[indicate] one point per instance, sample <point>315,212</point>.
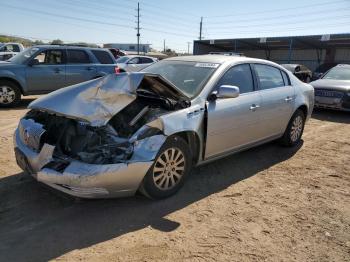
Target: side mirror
<point>34,62</point>
<point>225,91</point>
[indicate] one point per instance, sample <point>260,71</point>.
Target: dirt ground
<point>265,204</point>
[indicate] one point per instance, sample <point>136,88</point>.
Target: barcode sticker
<point>207,65</point>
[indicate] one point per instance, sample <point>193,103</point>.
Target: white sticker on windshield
<point>207,65</point>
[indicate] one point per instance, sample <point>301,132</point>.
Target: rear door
<point>80,67</point>
<point>234,122</point>
<point>48,74</point>
<point>278,97</point>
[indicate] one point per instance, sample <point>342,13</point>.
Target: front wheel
<point>10,94</point>
<point>169,170</point>
<point>295,129</point>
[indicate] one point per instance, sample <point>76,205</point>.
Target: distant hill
<point>27,42</point>
<point>24,41</point>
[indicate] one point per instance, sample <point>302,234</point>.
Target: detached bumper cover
<point>91,180</point>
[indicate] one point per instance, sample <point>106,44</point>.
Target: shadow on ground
<point>22,104</point>
<point>331,116</point>
<point>38,224</point>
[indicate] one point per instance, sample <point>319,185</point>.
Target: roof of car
<point>131,56</point>
<point>70,47</point>
<point>212,58</point>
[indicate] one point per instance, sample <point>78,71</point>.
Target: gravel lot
<point>268,203</point>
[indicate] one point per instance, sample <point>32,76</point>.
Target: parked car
<point>321,70</point>
<point>8,50</point>
<point>300,71</point>
<point>145,131</point>
<point>333,89</point>
<point>135,63</point>
<point>43,69</point>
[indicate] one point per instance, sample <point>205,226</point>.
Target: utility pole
<point>200,28</point>
<point>164,46</point>
<point>138,28</point>
<point>188,47</point>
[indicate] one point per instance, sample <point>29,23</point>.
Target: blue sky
<point>106,21</point>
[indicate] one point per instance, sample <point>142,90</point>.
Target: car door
<point>233,122</point>
<point>133,65</point>
<point>79,67</point>
<point>277,96</point>
<point>46,71</point>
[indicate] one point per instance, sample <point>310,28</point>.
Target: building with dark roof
<point>308,50</point>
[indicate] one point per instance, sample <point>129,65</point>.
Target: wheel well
<point>304,109</point>
<point>192,139</point>
<point>13,81</point>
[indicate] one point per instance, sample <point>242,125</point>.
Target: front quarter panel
<point>17,74</point>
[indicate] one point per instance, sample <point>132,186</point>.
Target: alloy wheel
<point>169,168</point>
<point>7,95</point>
<point>296,128</point>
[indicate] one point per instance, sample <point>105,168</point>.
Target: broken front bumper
<point>90,180</point>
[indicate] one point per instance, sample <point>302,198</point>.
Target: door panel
<point>77,73</point>
<point>79,67</point>
<point>48,74</point>
<point>232,123</point>
<point>277,99</point>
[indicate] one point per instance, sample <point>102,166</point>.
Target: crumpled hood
<point>339,85</point>
<point>97,101</point>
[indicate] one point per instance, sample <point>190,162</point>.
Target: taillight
<point>117,70</point>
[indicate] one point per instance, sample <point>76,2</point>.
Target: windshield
<point>338,73</point>
<point>21,57</point>
<point>122,59</point>
<point>189,77</point>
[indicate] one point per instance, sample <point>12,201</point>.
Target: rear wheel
<point>295,129</point>
<point>10,94</point>
<point>169,170</point>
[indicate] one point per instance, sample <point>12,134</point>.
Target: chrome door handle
<point>288,99</point>
<point>254,107</point>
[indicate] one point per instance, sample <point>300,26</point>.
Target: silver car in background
<point>144,131</point>
<point>134,63</point>
<point>332,91</point>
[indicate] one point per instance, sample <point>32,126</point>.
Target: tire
<point>162,181</point>
<point>10,94</point>
<point>295,129</point>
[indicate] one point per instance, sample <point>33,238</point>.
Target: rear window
<point>103,56</point>
<point>77,57</point>
<point>146,60</point>
<point>268,76</point>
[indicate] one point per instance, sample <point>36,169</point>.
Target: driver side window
<point>50,57</point>
<point>240,76</point>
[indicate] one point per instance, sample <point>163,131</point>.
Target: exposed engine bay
<point>107,144</point>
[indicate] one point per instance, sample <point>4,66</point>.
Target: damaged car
<point>129,132</point>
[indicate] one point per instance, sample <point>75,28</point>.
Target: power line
<point>279,24</point>
<point>278,17</point>
<point>90,20</point>
<point>289,29</point>
<point>279,9</point>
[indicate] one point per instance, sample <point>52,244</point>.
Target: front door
<point>234,122</point>
<point>48,73</point>
<point>277,96</point>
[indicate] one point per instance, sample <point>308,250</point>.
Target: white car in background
<point>8,50</point>
<point>135,63</point>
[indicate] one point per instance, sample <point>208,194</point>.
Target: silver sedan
<point>332,90</point>
<point>113,136</point>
